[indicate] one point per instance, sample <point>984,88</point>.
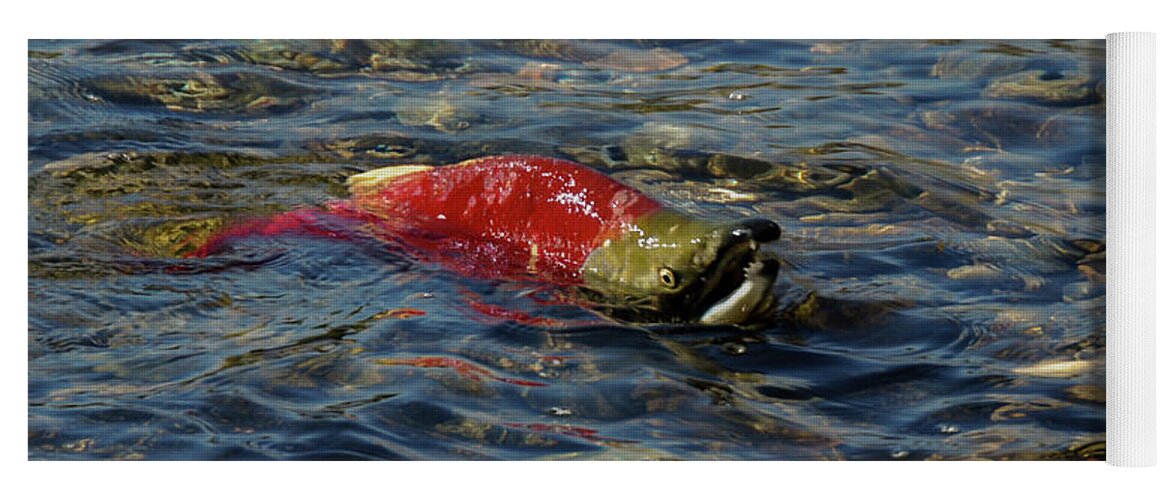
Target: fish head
<point>671,267</point>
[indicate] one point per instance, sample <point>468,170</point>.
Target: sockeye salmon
<point>559,222</point>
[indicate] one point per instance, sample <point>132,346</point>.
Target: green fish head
<point>669,267</point>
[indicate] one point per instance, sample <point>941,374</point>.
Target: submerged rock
<point>1095,394</point>
<point>599,55</point>
<point>737,167</point>
<point>639,61</point>
<point>437,112</point>
<point>1056,368</point>
<point>669,146</point>
<point>684,149</point>
<point>665,135</point>
<point>1082,291</point>
<point>404,60</point>
<point>980,272</point>
<point>965,65</point>
<point>1045,87</point>
<point>1003,125</point>
<point>231,93</point>
<point>1008,229</point>
<point>316,56</point>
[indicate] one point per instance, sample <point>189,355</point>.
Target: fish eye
<point>667,277</point>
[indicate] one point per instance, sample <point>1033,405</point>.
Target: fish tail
<point>300,222</point>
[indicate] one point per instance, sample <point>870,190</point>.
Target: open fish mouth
<point>738,288</point>
<point>745,297</point>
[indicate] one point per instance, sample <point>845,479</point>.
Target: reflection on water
<point>942,204</point>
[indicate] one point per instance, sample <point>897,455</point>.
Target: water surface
<point>942,201</point>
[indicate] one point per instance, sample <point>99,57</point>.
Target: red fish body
<point>548,219</point>
<point>550,213</point>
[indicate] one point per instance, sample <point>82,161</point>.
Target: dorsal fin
<point>375,179</point>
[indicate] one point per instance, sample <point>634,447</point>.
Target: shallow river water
<point>942,204</point>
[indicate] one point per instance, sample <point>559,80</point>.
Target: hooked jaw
<point>739,289</point>
<point>751,298</point>
<point>758,230</point>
